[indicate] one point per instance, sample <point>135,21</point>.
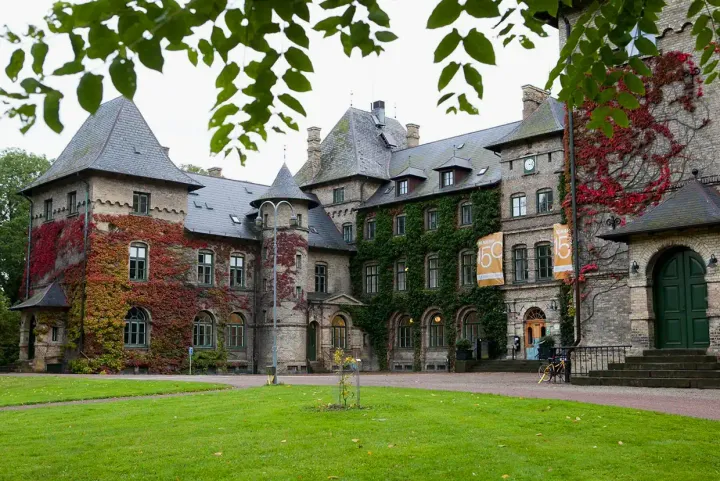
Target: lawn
<point>277,433</point>
<point>16,390</point>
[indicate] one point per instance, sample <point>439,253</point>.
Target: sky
<point>178,102</point>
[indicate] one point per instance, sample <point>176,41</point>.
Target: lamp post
<point>259,223</point>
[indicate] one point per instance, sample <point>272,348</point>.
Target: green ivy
<point>447,241</point>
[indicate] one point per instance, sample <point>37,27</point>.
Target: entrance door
<point>312,342</point>
<point>31,339</point>
<point>681,301</point>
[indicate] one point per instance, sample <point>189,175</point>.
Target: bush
<point>463,345</point>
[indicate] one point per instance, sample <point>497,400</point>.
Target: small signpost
<point>190,353</point>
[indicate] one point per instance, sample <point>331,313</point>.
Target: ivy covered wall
<point>447,241</point>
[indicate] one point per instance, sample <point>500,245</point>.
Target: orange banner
<point>490,260</point>
<point>562,265</point>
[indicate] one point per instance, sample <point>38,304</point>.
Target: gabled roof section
<point>284,188</point>
<point>455,163</point>
<point>410,172</point>
<point>355,146</point>
<point>116,139</point>
<point>549,118</point>
<point>426,157</point>
<point>694,205</point>
<point>49,297</point>
<point>333,299</point>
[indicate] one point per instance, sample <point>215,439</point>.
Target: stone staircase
<point>678,368</point>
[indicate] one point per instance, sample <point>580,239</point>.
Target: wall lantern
<point>553,305</point>
<point>713,261</point>
<point>635,267</point>
<point>258,221</point>
<point>437,319</point>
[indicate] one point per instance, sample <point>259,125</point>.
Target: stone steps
<point>628,373</point>
<point>697,383</point>
<point>670,358</point>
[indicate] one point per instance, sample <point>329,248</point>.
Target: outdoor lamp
<point>437,319</point>
<point>258,221</point>
<point>553,305</point>
<point>635,267</point>
<point>713,261</point>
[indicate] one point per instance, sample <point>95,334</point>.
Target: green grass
<point>275,433</point>
<point>16,390</point>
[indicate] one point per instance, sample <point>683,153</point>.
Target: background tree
<point>193,169</point>
<point>121,34</point>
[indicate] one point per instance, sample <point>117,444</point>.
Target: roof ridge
<point>459,135</point>
<point>226,178</point>
<point>352,136</point>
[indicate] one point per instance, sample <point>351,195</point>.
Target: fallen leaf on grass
<point>391,445</point>
<point>369,453</point>
<point>501,445</point>
<point>505,476</point>
<point>333,477</point>
<point>284,441</point>
<point>218,454</point>
<point>620,442</point>
<point>355,440</point>
<point>538,434</point>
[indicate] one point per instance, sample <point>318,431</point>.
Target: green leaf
<point>221,114</point>
<point>39,52</point>
<point>445,97</point>
<point>227,75</point>
<point>150,54</point>
<point>479,47</point>
<point>645,46</point>
<point>620,117</point>
<point>278,130</point>
<point>703,38</point>
<point>296,81</point>
<point>711,78</point>
<point>17,60</point>
<point>707,53</point>
<point>447,45</point>
<point>378,16</point>
<point>298,59</point>
<point>628,101</point>
<point>640,67</point>
<point>466,106</point>
<point>124,78</point>
<point>447,74</point>
<point>598,71</point>
<point>634,83</point>
<point>452,109</point>
<point>192,56</point>
<point>445,13</point>
<point>710,67</point>
<point>648,26</point>
<point>207,51</point>
<point>291,102</point>
<point>526,42</point>
<point>700,23</point>
<point>69,69</point>
<point>102,41</point>
<point>482,8</point>
<point>288,121</point>
<point>225,94</point>
<point>385,36</point>
<point>221,138</point>
<point>474,79</point>
<point>51,111</point>
<point>90,92</point>
<point>296,34</point>
<point>695,8</point>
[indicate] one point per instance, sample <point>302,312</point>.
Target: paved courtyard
<point>687,402</point>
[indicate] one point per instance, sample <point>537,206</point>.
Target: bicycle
<point>553,370</point>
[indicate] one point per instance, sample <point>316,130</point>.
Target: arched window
<point>433,271</point>
<point>405,337</point>
<point>136,321</point>
<point>138,261</point>
<point>544,201</point>
<point>436,331</point>
<point>206,262</point>
<point>339,333</point>
<point>235,338</point>
<point>534,325</point>
<point>203,330</point>
<point>471,328</point>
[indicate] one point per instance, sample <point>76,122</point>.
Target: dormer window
<point>235,219</point>
<point>402,187</point>
<point>447,178</point>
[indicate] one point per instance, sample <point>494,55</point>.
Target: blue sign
<point>190,350</point>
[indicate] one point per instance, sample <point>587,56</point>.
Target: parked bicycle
<point>553,369</point>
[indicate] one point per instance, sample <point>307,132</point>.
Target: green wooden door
<point>312,342</point>
<point>681,302</point>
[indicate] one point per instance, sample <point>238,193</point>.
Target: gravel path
<point>687,402</point>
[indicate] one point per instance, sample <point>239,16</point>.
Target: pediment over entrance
<point>334,299</point>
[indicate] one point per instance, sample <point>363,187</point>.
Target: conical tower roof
<point>284,188</point>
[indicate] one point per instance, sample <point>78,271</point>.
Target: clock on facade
<point>529,165</point>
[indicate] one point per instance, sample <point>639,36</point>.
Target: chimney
<point>314,150</point>
<point>532,98</point>
<point>413,135</point>
<point>166,150</point>
<point>215,171</point>
<point>378,111</point>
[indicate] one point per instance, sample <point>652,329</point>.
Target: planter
<point>463,354</point>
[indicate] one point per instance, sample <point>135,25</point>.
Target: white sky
<point>177,103</point>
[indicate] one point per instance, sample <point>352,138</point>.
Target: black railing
<point>583,359</point>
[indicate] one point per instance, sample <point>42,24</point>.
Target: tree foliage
<point>124,35</point>
<point>193,169</point>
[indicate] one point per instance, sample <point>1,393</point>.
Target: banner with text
<point>562,265</point>
<point>490,260</point>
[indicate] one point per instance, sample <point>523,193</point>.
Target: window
<point>235,219</point>
<point>265,220</point>
<point>466,214</point>
<point>348,232</point>
<point>370,234</point>
<point>472,329</point>
<point>467,268</point>
<point>298,292</point>
<point>235,337</point>
<point>371,279</point>
<point>447,178</point>
<point>437,331</point>
<point>400,225</point>
<point>402,187</point>
<point>136,328</point>
<point>237,271</point>
<point>338,195</point>
<point>54,333</point>
<point>320,278</point>
<point>141,203</point>
<point>433,272</point>
<point>205,268</point>
<point>72,207</point>
<point>519,205</point>
<point>203,330</point>
<point>299,220</point>
<point>339,333</point>
<point>544,259</point>
<point>544,200</point>
<point>298,261</point>
<point>138,261</point>
<point>400,276</point>
<point>405,338</point>
<point>48,210</point>
<point>432,219</point>
<point>520,263</point>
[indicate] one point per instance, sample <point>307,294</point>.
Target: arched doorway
<point>312,341</point>
<point>31,339</point>
<point>680,294</point>
<point>534,325</point>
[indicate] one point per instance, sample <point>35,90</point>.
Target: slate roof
<point>410,172</point>
<point>284,188</point>
<point>694,205</point>
<point>354,147</point>
<point>455,162</point>
<point>549,118</point>
<point>427,157</point>
<point>116,139</point>
<point>323,232</point>
<point>51,296</point>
